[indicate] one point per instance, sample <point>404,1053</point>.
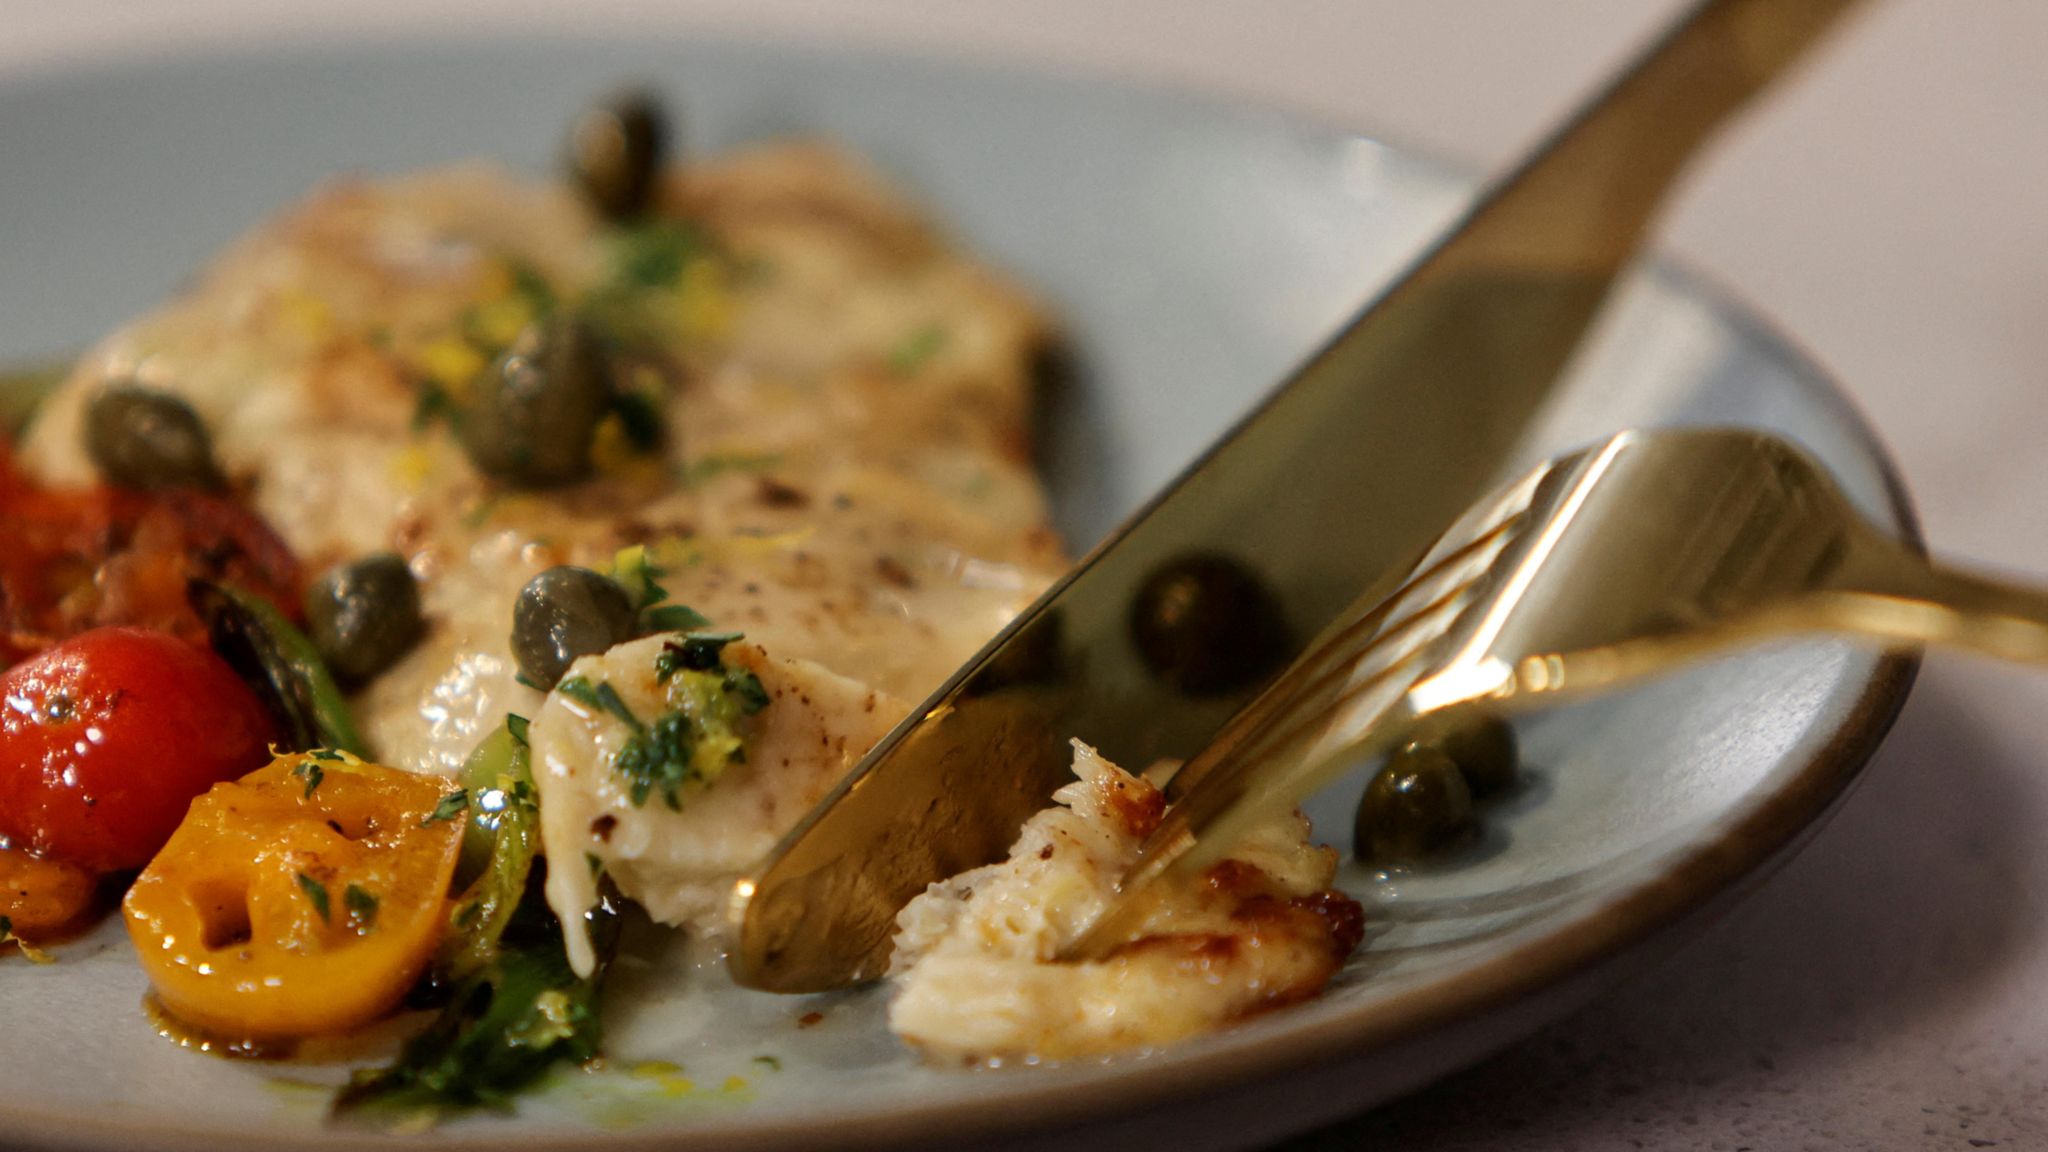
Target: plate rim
<point>1060,1098</point>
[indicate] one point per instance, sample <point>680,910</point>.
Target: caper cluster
<point>532,419</point>
<point>1422,800</point>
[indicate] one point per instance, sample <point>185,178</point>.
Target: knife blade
<point>1331,487</point>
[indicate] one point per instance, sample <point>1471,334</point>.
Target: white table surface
<point>1890,210</point>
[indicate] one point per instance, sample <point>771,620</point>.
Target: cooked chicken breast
<point>973,972</point>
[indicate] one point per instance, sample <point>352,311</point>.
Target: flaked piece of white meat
<point>673,780</point>
<point>973,963</point>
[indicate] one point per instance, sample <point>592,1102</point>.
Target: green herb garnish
<point>529,283</point>
<point>697,652</point>
<point>316,892</point>
<point>516,725</point>
<point>641,578</point>
<point>600,695</point>
<point>504,1027</point>
<point>451,806</point>
<point>673,618</point>
<point>719,463</point>
<point>916,349</point>
<point>362,906</point>
<point>579,689</point>
<point>746,688</point>
<point>653,255</point>
<point>434,403</point>
<point>662,757</point>
<point>310,771</point>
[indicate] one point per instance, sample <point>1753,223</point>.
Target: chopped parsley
<point>600,695</point>
<point>697,737</point>
<point>673,618</point>
<point>916,349</point>
<point>697,652</point>
<point>516,725</point>
<point>719,463</point>
<point>532,286</point>
<point>434,403</point>
<point>746,688</point>
<point>660,757</point>
<point>316,892</point>
<point>641,578</point>
<point>310,771</point>
<point>362,906</point>
<point>654,254</point>
<point>451,806</point>
<point>579,689</point>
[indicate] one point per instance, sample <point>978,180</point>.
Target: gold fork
<point>1602,567</point>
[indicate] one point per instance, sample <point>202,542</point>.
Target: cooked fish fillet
<point>973,956</point>
<point>840,499</point>
<point>679,862</point>
<point>845,475</point>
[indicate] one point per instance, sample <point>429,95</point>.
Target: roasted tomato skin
<point>79,558</point>
<point>107,737</point>
<point>304,899</point>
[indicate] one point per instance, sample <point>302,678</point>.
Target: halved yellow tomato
<point>43,898</point>
<point>303,899</point>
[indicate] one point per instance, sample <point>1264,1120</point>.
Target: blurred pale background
<point>1887,210</point>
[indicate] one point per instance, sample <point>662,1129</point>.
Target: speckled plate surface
<point>1195,249</point>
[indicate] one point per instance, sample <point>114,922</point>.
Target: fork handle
<point>1889,592</point>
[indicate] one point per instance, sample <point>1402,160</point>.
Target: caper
<point>1206,624</point>
<point>1484,750</point>
<point>564,613</point>
<point>364,615</point>
<point>1417,803</point>
<point>616,152</point>
<point>148,440</point>
<point>534,413</point>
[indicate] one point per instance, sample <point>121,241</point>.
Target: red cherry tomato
<point>107,737</point>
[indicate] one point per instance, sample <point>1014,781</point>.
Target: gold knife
<point>1331,488</point>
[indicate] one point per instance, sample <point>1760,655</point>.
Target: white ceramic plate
<point>1195,249</point>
